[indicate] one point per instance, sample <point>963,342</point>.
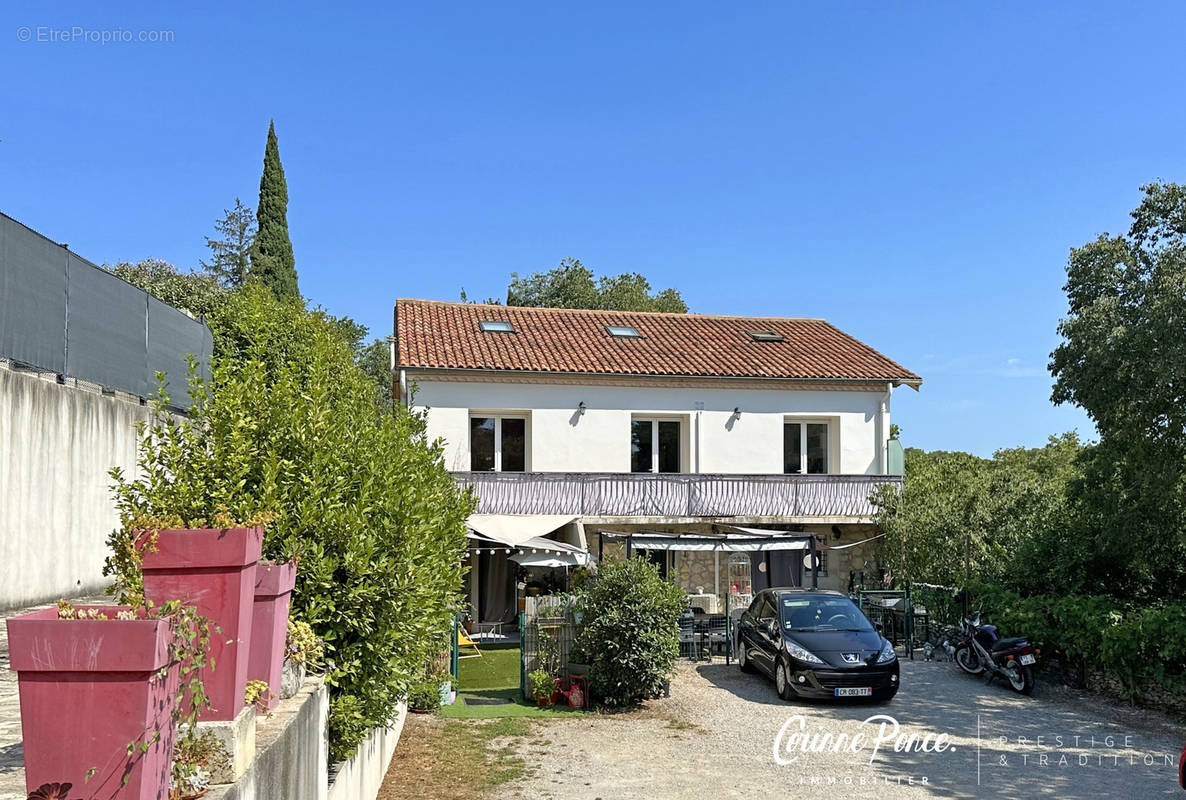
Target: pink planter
<point>269,627</point>
<point>87,689</point>
<point>213,570</point>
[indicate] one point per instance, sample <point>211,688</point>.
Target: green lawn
<point>495,674</point>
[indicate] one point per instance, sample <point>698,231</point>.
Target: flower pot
<point>269,625</point>
<point>88,688</point>
<point>213,570</point>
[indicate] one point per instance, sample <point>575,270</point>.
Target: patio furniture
<point>464,642</point>
<point>688,643</point>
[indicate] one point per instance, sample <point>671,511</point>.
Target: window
<point>496,326</point>
<point>766,336</point>
<point>623,331</point>
<point>498,444</point>
<point>654,445</point>
<point>805,448</point>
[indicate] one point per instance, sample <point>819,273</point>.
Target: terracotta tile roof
<point>433,334</point>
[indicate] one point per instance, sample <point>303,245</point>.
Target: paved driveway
<point>715,737</point>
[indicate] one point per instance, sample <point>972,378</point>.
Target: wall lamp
<point>737,412</point>
<point>581,408</point>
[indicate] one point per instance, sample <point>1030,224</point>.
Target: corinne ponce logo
<point>875,732</point>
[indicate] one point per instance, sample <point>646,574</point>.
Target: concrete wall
<point>715,441</point>
<point>291,751</point>
<point>361,776</point>
<point>57,443</point>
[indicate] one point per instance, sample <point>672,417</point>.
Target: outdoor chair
<point>688,645</point>
<point>463,643</point>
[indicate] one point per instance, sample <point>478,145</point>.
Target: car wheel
<point>782,682</point>
<point>743,657</point>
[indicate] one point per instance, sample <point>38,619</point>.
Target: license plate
<point>1027,658</point>
<point>863,691</point>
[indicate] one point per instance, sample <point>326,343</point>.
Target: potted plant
<point>302,650</point>
<point>425,696</point>
<point>269,625</point>
<point>214,569</point>
<point>543,687</point>
<point>195,760</point>
<point>99,694</point>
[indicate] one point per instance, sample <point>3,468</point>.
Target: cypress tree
<point>272,262</point>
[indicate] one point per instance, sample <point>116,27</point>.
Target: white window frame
<point>803,422</point>
<point>498,418</point>
<point>655,441</point>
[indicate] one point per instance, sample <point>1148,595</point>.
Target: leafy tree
<point>289,427</point>
<point>1123,360</point>
<point>572,285</point>
<point>199,294</point>
<point>630,631</point>
<point>958,516</point>
<point>230,256</point>
<point>375,361</point>
<point>272,261</point>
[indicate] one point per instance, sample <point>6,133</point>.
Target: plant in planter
<point>160,558</point>
<point>269,626</point>
<point>195,759</point>
<point>52,791</point>
<point>425,696</point>
<point>543,686</point>
<point>303,651</point>
<point>123,676</point>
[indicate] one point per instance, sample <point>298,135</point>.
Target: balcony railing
<point>599,494</point>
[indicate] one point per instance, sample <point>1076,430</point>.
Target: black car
<point>815,643</point>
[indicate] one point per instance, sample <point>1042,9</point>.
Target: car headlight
<point>887,653</point>
<point>803,655</point>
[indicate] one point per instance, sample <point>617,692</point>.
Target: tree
<point>288,427</point>
<point>960,517</point>
<point>1123,360</point>
<point>272,261</point>
<point>194,292</point>
<point>230,256</point>
<point>572,285</point>
<point>375,361</point>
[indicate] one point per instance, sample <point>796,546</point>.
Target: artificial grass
<point>495,674</point>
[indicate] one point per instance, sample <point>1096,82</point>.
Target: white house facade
<point>588,427</point>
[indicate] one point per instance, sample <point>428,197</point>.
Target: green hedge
<point>1136,647</point>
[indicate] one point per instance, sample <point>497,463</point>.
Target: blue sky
<point>915,173</point>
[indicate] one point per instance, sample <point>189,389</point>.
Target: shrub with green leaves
<point>290,427</point>
<point>631,631</point>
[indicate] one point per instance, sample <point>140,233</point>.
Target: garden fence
<point>60,313</point>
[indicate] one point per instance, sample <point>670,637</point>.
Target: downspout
<point>883,412</point>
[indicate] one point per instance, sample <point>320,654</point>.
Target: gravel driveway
<point>714,738</point>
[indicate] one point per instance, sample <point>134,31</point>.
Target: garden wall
<point>360,776</point>
<point>57,443</point>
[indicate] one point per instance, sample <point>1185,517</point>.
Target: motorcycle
<point>980,650</point>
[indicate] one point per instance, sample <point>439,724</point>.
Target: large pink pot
<point>213,570</point>
<point>87,689</point>
<point>269,627</point>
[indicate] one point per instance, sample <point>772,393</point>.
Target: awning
<point>514,529</point>
<point>728,543</point>
<point>540,552</point>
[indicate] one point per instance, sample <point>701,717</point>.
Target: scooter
<point>980,650</point>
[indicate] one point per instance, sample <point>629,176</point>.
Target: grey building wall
<point>57,444</point>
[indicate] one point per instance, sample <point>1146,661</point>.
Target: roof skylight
<point>766,336</point>
<point>623,331</point>
<point>496,326</point>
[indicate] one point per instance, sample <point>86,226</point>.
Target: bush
<point>630,632</point>
<point>1137,648</point>
<point>290,428</point>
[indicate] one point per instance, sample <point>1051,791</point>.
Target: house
<point>715,444</point>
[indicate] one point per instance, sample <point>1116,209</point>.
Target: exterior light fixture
<point>737,412</point>
<point>581,408</point>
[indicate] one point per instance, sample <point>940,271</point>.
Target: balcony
<point>677,496</point>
